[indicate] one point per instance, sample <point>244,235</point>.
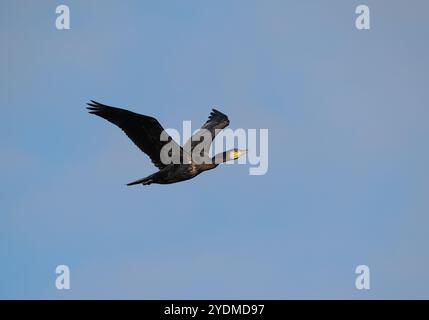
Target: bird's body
<point>174,173</point>
<point>146,132</point>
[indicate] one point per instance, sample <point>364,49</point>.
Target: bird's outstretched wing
<point>143,130</point>
<point>216,122</point>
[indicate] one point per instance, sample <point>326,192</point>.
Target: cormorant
<point>146,132</point>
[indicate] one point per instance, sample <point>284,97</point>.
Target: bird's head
<point>229,155</point>
<point>234,154</point>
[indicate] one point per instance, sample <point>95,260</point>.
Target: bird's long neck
<point>220,158</point>
<point>215,161</point>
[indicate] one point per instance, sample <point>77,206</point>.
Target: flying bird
<point>146,133</point>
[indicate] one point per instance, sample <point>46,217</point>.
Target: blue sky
<point>347,113</point>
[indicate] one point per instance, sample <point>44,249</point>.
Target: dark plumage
<point>146,131</point>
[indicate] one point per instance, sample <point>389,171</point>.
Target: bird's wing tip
<point>92,109</point>
<point>216,112</point>
<point>94,103</point>
<point>94,106</point>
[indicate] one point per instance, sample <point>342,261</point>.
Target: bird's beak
<point>242,152</point>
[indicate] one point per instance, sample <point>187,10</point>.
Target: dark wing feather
<point>143,130</point>
<point>216,122</point>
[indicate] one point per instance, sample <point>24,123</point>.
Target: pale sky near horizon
<point>348,179</point>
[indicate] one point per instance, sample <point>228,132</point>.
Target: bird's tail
<point>144,181</point>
